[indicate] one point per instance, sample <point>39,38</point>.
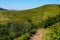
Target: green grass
<point>26,36</point>
<point>52,33</point>
<point>19,22</point>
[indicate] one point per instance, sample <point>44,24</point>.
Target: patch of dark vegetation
<point>59,6</point>
<point>10,30</point>
<point>52,20</point>
<point>2,9</point>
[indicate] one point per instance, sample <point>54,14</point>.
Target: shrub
<point>52,20</point>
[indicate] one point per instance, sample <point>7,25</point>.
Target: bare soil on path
<point>37,35</point>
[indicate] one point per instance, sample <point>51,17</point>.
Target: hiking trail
<point>37,35</point>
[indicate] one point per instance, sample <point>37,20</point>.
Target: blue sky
<point>25,4</point>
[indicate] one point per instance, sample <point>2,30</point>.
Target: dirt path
<point>37,35</point>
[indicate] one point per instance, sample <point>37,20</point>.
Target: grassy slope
<point>52,33</point>
<point>36,15</point>
<point>48,10</point>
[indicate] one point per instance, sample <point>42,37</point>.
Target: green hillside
<point>14,24</point>
<point>52,33</point>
